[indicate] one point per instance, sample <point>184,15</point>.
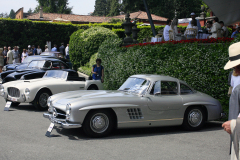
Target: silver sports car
<point>142,101</point>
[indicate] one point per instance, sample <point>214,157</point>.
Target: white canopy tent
<point>227,11</point>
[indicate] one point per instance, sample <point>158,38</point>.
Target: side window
<point>169,88</point>
<point>47,64</point>
<point>165,88</point>
<point>185,89</point>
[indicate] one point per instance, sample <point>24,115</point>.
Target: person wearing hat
<point>30,51</point>
<point>193,16</point>
<point>233,125</point>
<point>1,59</point>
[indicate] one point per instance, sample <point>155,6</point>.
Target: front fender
<point>98,83</point>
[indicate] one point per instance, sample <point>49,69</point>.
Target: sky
<point>82,7</point>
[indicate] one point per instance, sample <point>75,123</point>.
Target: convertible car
<point>142,101</point>
<point>37,91</point>
<point>35,69</point>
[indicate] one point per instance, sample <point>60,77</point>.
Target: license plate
<point>49,131</point>
<point>7,106</point>
<point>13,99</point>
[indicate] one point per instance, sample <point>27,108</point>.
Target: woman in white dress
<point>46,48</point>
<point>191,30</point>
<point>173,29</point>
<point>24,54</point>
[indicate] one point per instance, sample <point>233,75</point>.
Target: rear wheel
<point>194,118</point>
<point>99,123</point>
<point>41,98</point>
<point>92,87</point>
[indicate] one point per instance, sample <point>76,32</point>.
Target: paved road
<point>23,128</point>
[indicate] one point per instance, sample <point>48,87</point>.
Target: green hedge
<point>84,44</point>
<point>25,32</point>
<point>199,65</point>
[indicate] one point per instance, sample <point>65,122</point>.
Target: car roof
<point>155,77</point>
<point>50,52</point>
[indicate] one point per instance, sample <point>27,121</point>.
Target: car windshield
<point>39,64</point>
<point>56,74</point>
<point>135,85</point>
<point>30,58</point>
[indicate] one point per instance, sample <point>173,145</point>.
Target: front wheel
<point>194,118</point>
<point>40,101</point>
<point>98,123</point>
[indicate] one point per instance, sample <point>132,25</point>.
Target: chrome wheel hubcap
<point>43,100</point>
<point>99,123</point>
<point>195,117</point>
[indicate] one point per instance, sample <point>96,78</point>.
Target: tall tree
<point>54,6</point>
<point>30,10</point>
<point>100,8</point>
<point>12,14</point>
<point>115,8</point>
<point>4,15</point>
<point>165,8</point>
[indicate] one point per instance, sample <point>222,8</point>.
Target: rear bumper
<point>62,122</point>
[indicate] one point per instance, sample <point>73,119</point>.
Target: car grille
<point>60,114</point>
<point>135,113</point>
<point>14,92</point>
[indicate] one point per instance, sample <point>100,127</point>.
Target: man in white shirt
<point>209,26</point>
<point>166,30</point>
<point>215,28</point>
<point>193,16</point>
<point>9,56</point>
<point>224,28</point>
<point>67,52</point>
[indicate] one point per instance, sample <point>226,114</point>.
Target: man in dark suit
<point>5,54</point>
<point>62,49</point>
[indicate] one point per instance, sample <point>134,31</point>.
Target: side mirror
<point>157,93</point>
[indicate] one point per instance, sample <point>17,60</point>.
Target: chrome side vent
<point>135,113</point>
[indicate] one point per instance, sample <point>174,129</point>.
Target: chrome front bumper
<point>62,122</point>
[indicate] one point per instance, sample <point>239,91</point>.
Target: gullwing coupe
<point>142,101</point>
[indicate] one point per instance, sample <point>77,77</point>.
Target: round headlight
<point>27,91</point>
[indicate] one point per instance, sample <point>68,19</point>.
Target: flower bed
<point>211,40</point>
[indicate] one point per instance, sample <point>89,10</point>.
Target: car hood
<point>85,98</point>
<point>20,84</point>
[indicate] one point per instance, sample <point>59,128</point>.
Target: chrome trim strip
<point>152,120</point>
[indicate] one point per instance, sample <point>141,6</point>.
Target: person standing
<point>15,55</point>
<point>235,33</point>
<point>39,50</point>
<point>30,51</point>
<point>166,30</point>
<point>1,59</point>
<point>67,52</point>
<point>9,56</point>
<point>224,29</point>
<point>215,28</point>
<point>193,16</point>
<point>98,71</point>
<point>5,54</point>
<point>34,50</point>
<point>46,48</point>
<point>233,125</point>
<point>62,49</point>
<point>24,54</point>
<point>54,49</point>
